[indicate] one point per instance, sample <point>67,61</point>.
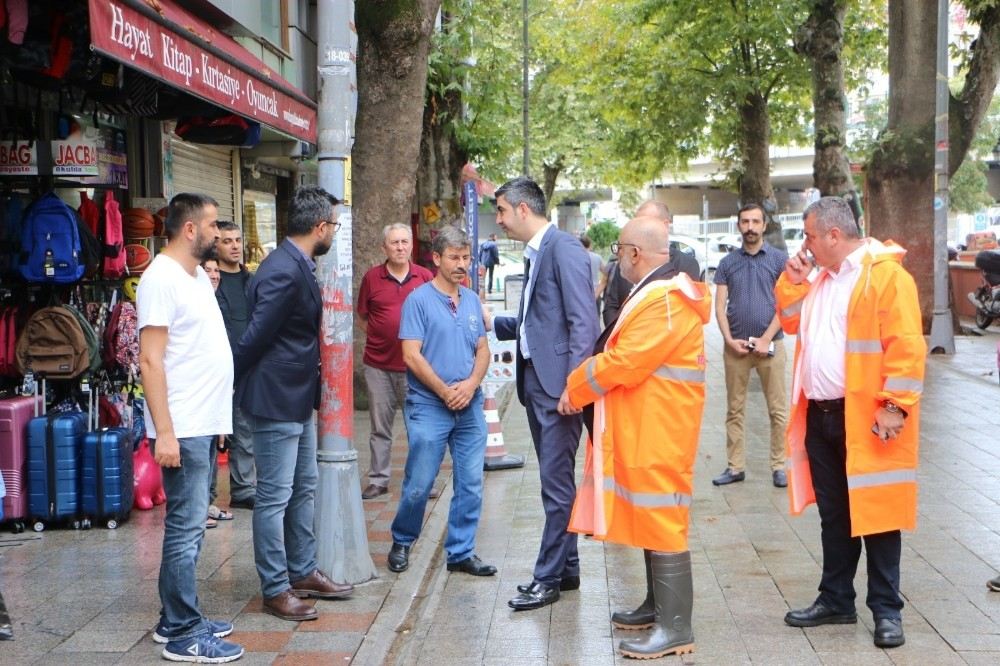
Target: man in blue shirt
<point>489,257</point>
<point>444,349</point>
<point>745,310</point>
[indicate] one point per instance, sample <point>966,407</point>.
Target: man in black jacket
<point>278,386</point>
<point>232,297</point>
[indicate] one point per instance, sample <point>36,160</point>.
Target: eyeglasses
<point>617,246</point>
<point>336,225</point>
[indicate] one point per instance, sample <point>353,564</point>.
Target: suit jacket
<point>560,321</point>
<point>277,358</point>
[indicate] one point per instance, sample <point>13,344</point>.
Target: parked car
<point>794,237</point>
<point>693,247</point>
<point>719,245</point>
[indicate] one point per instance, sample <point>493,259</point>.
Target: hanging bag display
<point>114,239</point>
<point>50,242</point>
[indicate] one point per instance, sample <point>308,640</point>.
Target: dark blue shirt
<point>750,279</point>
<point>449,336</point>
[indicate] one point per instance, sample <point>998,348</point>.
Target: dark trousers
<point>556,439</point>
<point>489,278</point>
<point>827,450</point>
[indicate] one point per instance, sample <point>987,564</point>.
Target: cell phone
<point>876,432</point>
<point>752,344</point>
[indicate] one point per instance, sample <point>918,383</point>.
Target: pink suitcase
<point>14,416</point>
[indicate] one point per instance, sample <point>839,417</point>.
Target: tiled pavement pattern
<point>90,597</point>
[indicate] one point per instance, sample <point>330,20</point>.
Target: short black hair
<point>752,206</point>
<point>523,190</point>
<point>228,226</point>
<point>185,206</point>
<point>309,207</point>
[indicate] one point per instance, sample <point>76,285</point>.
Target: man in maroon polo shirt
<point>380,302</point>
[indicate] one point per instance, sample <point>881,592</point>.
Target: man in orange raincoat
<point>648,390</point>
<point>854,429</point>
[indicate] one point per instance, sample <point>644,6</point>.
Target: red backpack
<point>89,212</point>
<point>114,240</point>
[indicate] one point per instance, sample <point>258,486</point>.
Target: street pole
<point>341,531</point>
<point>942,333</point>
<point>524,86</point>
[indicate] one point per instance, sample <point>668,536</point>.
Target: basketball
<point>138,223</point>
<point>137,258</point>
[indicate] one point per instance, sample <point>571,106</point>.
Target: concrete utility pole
<point>341,531</point>
<point>942,333</point>
<point>524,88</point>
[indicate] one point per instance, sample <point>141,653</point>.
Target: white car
<point>694,247</point>
<point>794,237</point>
<point>719,245</point>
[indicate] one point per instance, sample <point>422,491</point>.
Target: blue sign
<point>472,228</point>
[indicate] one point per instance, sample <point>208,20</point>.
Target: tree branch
<point>966,112</point>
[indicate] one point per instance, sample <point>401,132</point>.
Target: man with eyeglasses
<point>278,386</point>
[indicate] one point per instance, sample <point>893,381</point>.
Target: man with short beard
<point>278,387</point>
<point>744,309</point>
<point>187,376</point>
<point>231,294</point>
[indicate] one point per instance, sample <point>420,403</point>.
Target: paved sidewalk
<point>90,597</point>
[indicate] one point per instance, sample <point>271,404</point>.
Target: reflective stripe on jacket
<point>884,360</point>
<point>648,387</point>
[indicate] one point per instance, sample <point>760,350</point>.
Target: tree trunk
<point>439,179</point>
<point>899,178</point>
<point>966,111</point>
<point>821,38</point>
<point>393,42</point>
<point>755,161</point>
<point>550,173</point>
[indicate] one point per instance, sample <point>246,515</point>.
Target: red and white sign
<point>74,157</point>
<point>180,59</point>
<point>18,158</point>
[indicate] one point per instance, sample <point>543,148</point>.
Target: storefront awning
<point>168,43</point>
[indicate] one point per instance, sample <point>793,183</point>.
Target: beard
<point>204,249</point>
<point>321,248</point>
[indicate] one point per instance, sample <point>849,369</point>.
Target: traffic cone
<point>496,453</point>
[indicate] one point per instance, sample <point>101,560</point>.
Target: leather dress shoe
<point>816,615</point>
<point>473,566</point>
<point>567,584</point>
<point>994,584</point>
<point>287,606</point>
<point>729,476</point>
<point>536,596</point>
<point>318,584</point>
<point>399,557</point>
<point>373,491</point>
<point>889,633</point>
<point>779,478</point>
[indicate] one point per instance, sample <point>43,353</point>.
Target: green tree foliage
<point>603,234</point>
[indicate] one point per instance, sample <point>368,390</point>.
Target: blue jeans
<point>186,488</point>
<point>284,543</point>
<point>430,428</point>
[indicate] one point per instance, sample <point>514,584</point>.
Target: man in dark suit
<point>277,385</point>
<point>555,331</point>
<point>618,288</point>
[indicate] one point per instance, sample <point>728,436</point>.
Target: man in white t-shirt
<point>187,377</point>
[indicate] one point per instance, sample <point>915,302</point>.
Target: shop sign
<point>131,37</point>
<point>74,157</point>
<point>18,158</point>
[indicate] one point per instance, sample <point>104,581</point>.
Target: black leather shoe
<point>536,596</point>
<point>816,615</point>
<point>729,476</point>
<point>567,584</point>
<point>779,478</point>
<point>889,633</point>
<point>399,557</point>
<point>473,566</point>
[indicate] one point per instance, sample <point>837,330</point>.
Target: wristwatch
<point>893,408</point>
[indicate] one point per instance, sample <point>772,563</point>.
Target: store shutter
<point>206,170</point>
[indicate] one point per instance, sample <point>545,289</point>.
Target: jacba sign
<point>129,36</point>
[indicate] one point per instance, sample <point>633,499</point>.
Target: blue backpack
<point>50,242</point>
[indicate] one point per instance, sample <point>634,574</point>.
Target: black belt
<point>836,405</point>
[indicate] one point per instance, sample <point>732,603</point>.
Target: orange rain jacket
<point>648,387</point>
<point>884,360</point>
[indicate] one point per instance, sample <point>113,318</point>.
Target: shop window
<point>260,234</point>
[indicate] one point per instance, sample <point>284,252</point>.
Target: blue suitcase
<point>107,481</point>
<point>54,444</point>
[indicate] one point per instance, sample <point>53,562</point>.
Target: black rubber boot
<point>643,616</point>
<point>674,594</point>
<point>6,631</point>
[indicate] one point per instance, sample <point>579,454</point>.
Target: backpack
<point>121,338</point>
<point>114,240</point>
<point>50,242</point>
<point>89,212</point>
<point>90,335</point>
<point>91,250</point>
<point>53,344</point>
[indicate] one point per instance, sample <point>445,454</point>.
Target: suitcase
<point>54,444</point>
<point>15,413</point>
<point>107,481</point>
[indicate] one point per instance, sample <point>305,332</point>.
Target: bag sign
<point>18,158</point>
<point>77,157</point>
